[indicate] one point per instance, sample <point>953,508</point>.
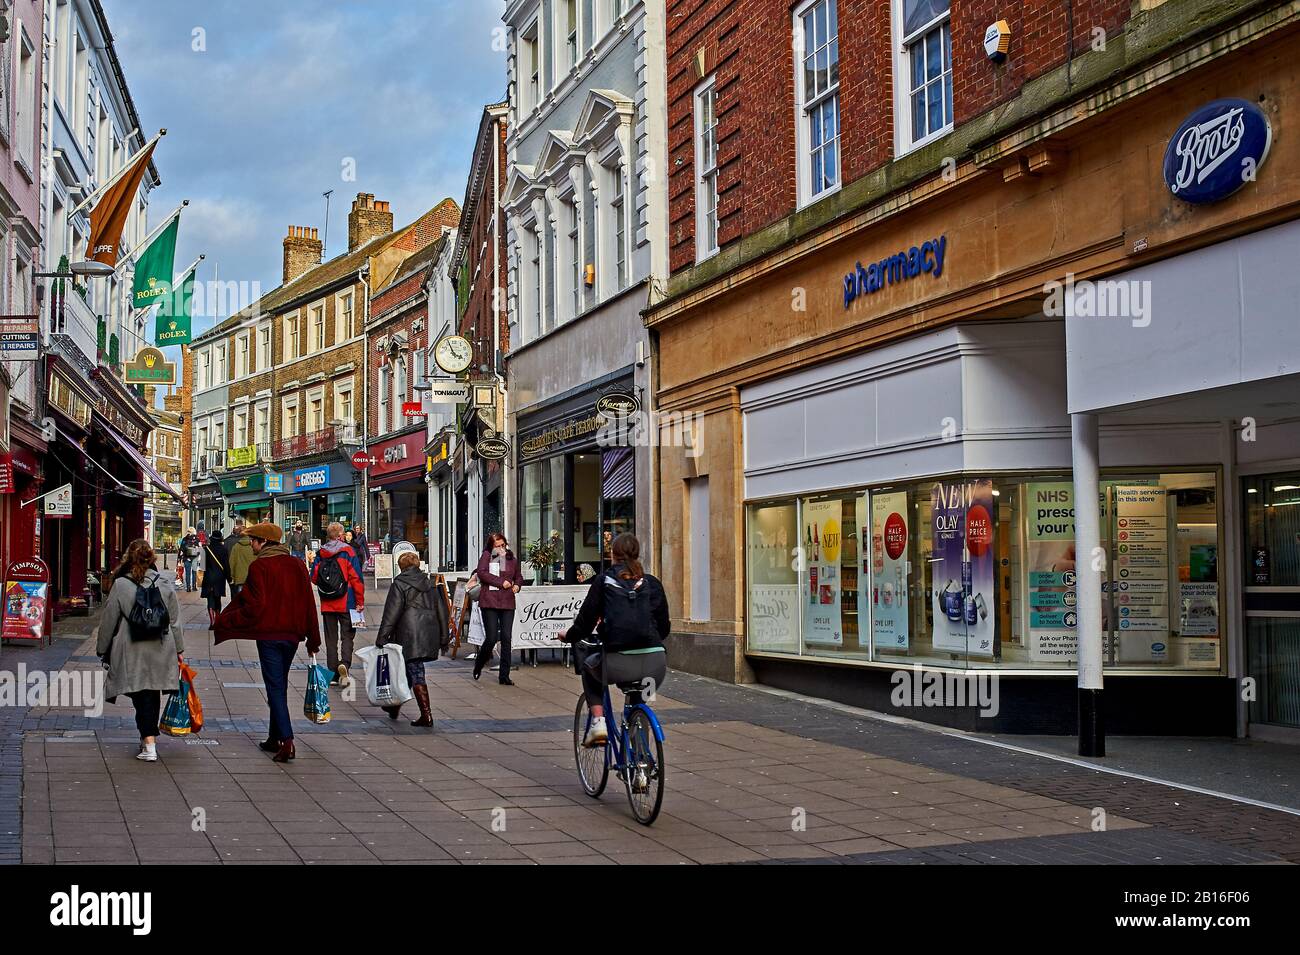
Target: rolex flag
<point>108,218</point>
<point>154,268</point>
<point>174,312</point>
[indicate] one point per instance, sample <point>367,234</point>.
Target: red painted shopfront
<point>399,498</point>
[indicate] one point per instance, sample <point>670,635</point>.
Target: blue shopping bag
<point>316,707</point>
<point>176,717</point>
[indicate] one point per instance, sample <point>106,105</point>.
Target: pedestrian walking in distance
<point>298,541</point>
<point>334,572</point>
<point>215,561</point>
<point>142,660</point>
<point>275,608</point>
<point>190,552</point>
<point>360,544</point>
<point>501,577</point>
<point>415,619</point>
<point>627,609</point>
<point>241,558</point>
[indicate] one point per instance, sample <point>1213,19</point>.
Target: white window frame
<point>903,141</point>
<point>618,208</point>
<point>26,99</point>
<point>205,369</point>
<point>292,334</point>
<point>401,388</point>
<point>263,347</point>
<point>706,170</point>
<point>219,433</point>
<point>288,412</point>
<point>240,425</point>
<point>385,390</point>
<point>344,319</point>
<point>803,108</point>
<point>220,363</point>
<point>530,56</point>
<point>262,423</point>
<point>316,329</point>
<point>571,34</point>
<point>343,389</point>
<point>243,355</point>
<point>314,395</point>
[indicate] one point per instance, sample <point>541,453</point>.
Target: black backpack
<point>629,617</point>
<point>148,619</point>
<point>330,580</point>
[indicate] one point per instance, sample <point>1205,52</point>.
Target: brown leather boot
<point>285,753</point>
<point>422,699</point>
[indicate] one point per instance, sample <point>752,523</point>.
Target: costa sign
<point>617,404</point>
<point>1217,150</point>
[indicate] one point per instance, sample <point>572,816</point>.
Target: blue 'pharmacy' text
<point>928,257</point>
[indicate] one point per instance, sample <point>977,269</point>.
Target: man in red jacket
<point>335,574</point>
<point>275,608</point>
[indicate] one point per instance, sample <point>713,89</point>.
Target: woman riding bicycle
<point>628,611</point>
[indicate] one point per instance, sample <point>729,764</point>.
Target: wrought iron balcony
<point>313,442</point>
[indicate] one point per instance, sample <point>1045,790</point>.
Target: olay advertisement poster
<point>963,569</point>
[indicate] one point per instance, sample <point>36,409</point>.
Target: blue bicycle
<point>635,751</point>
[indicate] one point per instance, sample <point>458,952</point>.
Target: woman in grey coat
<point>140,669</point>
<point>415,618</point>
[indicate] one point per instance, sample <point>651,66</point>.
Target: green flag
<point>174,312</point>
<point>153,270</point>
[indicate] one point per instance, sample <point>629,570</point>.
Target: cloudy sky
<point>268,103</point>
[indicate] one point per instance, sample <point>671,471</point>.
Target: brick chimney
<point>172,403</point>
<point>427,228</point>
<point>367,220</point>
<point>302,251</point>
<point>150,395</point>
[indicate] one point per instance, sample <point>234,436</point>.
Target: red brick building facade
<point>749,47</point>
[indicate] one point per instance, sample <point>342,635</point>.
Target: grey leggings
<point>649,670</point>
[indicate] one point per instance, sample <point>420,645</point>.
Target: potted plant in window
<point>542,554</point>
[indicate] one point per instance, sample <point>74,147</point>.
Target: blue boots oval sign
<point>1217,150</point>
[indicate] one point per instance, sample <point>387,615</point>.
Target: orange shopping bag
<point>196,708</point>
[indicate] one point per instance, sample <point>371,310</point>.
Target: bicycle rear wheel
<point>593,767</point>
<point>644,773</point>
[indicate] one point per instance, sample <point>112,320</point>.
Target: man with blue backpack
<point>341,587</point>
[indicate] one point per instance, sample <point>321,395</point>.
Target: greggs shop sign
<point>309,479</point>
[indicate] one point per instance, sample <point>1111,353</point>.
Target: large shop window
<point>973,571</point>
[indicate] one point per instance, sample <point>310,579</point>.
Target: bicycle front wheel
<point>593,767</point>
<point>644,773</point>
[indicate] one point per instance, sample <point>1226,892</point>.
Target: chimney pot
<point>302,251</point>
<point>368,220</point>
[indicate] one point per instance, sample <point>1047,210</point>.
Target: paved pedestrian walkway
<point>752,777</point>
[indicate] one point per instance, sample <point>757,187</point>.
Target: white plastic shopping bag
<point>385,675</point>
<point>477,634</point>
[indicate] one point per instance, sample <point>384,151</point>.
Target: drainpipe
<point>363,276</point>
<point>496,319</point>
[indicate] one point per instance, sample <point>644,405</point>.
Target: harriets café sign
<point>554,436</point>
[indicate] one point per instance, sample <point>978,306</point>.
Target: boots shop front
<point>934,530</point>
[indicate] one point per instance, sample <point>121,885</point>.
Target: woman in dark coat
<point>501,577</point>
<point>216,568</point>
<point>415,618</point>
